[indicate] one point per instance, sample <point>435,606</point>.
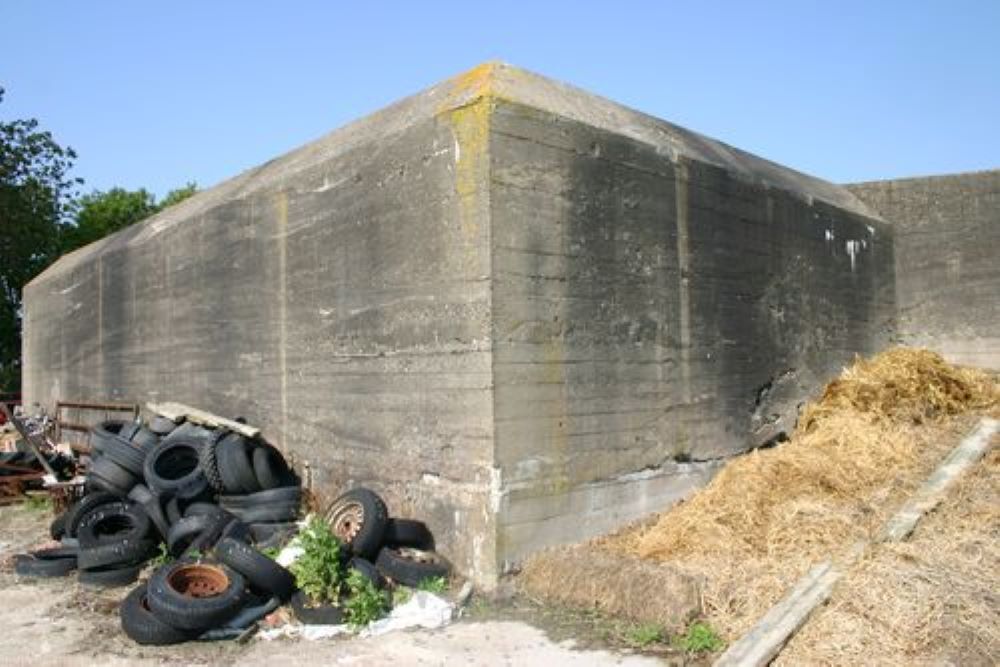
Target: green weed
<point>644,634</point>
<point>365,602</point>
<point>433,585</point>
<point>318,570</point>
<point>700,638</point>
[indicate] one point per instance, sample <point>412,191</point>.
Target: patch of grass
<point>365,602</point>
<point>271,552</point>
<point>644,634</point>
<point>401,595</point>
<point>318,570</point>
<point>38,503</point>
<point>433,585</point>
<point>700,638</point>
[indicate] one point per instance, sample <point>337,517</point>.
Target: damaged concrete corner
<point>517,310</point>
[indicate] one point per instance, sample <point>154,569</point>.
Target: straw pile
<point>871,439</point>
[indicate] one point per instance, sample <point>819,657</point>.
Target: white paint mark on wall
<point>871,230</point>
<point>853,248</point>
<point>496,489</point>
<point>829,235</point>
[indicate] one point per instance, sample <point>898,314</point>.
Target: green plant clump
<point>644,634</point>
<point>366,603</point>
<point>700,638</point>
<point>318,570</point>
<point>38,503</point>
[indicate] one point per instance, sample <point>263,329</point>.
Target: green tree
<point>36,203</point>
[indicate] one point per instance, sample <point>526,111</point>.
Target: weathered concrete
<point>520,311</point>
<point>947,231</point>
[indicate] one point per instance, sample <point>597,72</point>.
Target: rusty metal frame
<point>80,427</point>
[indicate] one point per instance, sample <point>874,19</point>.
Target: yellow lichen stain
<point>470,127</point>
<point>467,87</point>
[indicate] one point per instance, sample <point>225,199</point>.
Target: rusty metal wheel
<point>193,595</point>
<point>358,518</point>
<point>198,581</point>
<point>410,566</point>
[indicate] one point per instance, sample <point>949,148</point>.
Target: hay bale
<point>584,577</point>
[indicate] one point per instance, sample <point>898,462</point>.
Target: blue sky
<point>157,94</point>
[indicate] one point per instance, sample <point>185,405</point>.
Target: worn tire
<point>194,613</point>
<point>183,534</point>
<point>110,577</point>
<point>110,430</point>
<point>210,464</point>
<point>409,566</point>
<point>151,504</point>
<point>408,533</point>
<point>325,614</point>
<point>58,526</point>
<point>283,495</point>
<point>266,535</point>
<point>269,467</point>
<point>161,426</point>
<point>30,565</point>
<point>145,439</point>
<point>84,506</point>
<point>261,572</point>
<point>114,554</point>
<point>116,522</point>
<point>173,468</point>
<point>143,627</point>
<point>125,454</point>
<point>106,475</point>
<point>235,468</point>
<point>277,513</point>
<point>358,518</point>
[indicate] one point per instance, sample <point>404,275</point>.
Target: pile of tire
<point>183,486</point>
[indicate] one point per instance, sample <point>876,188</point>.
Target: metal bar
<point>28,438</point>
<point>73,426</point>
<point>117,407</point>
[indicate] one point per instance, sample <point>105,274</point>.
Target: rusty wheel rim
<point>198,581</point>
<point>346,519</point>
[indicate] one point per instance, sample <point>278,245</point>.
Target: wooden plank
<point>770,634</point>
<point>178,411</point>
<point>969,451</point>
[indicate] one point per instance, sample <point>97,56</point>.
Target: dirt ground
<point>58,622</point>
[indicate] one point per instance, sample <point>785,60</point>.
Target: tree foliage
<point>36,202</point>
<point>42,217</point>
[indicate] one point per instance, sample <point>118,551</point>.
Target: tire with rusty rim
<point>262,572</point>
<point>143,627</point>
<point>358,518</point>
<point>409,566</point>
<point>196,595</point>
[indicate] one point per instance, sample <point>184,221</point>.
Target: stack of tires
<point>400,550</point>
<point>183,486</point>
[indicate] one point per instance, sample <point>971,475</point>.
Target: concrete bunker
<point>520,311</point>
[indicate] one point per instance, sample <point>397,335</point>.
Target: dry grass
<point>872,438</point>
<point>932,600</point>
<point>617,584</point>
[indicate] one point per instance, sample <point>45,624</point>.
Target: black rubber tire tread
<point>326,614</point>
<point>218,523</point>
<point>367,570</point>
<point>125,454</point>
<point>151,504</point>
<point>55,553</point>
<point>408,533</point>
<point>183,533</point>
<point>136,518</point>
<point>269,467</point>
<point>106,431</point>
<point>201,507</point>
<point>283,494</point>
<point>190,613</point>
<point>143,627</point>
<point>210,464</point>
<point>268,532</point>
<point>233,454</point>
<point>407,571</point>
<point>161,426</point>
<point>111,554</point>
<point>261,572</point>
<point>189,485</point>
<point>145,439</point>
<point>368,539</point>
<point>28,565</point>
<point>58,526</point>
<point>83,506</point>
<point>112,577</point>
<point>276,513</point>
<point>173,511</point>
<point>111,477</point>
<point>189,431</point>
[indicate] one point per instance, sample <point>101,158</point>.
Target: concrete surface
<point>947,232</point>
<point>520,311</point>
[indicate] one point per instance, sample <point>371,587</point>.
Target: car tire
<point>173,468</point>
<point>117,522</point>
<point>358,518</point>
<point>235,468</point>
<point>143,627</point>
<point>106,475</point>
<point>170,598</point>
<point>110,577</point>
<point>408,533</point>
<point>210,464</point>
<point>161,426</point>
<point>409,566</point>
<point>367,570</point>
<point>324,614</point>
<point>83,507</point>
<point>269,467</point>
<point>151,504</point>
<point>125,454</point>
<point>261,572</point>
<point>30,565</point>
